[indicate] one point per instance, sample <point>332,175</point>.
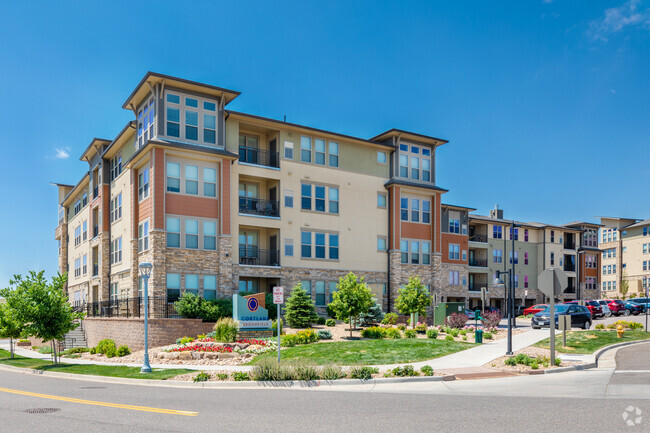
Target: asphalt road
<point>570,402</point>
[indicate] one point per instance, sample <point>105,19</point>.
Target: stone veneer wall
<point>162,332</point>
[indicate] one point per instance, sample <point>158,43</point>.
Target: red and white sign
<point>278,295</point>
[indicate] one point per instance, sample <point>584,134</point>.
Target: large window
<point>415,162</point>
<point>116,251</point>
<point>191,233</point>
<point>192,179</point>
<point>209,235</point>
<point>305,149</point>
<point>173,287</point>
<point>319,245</point>
<point>454,222</point>
<point>415,210</point>
<point>415,252</point>
<point>191,118</point>
<point>497,232</point>
<point>325,198</point>
<point>324,152</point>
<point>116,208</point>
<point>454,252</point>
<point>143,184</point>
<point>146,122</point>
<point>210,287</point>
<point>143,236</point>
<point>115,166</point>
<point>497,256</point>
<point>454,278</point>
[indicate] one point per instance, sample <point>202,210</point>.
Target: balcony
<point>253,256</point>
<point>569,267</point>
<point>478,238</point>
<point>257,206</point>
<point>569,245</point>
<point>478,263</point>
<point>254,156</point>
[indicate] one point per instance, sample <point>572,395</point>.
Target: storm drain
<point>43,410</point>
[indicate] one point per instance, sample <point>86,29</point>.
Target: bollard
<point>478,336</point>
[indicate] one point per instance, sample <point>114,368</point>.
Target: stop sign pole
<point>278,299</point>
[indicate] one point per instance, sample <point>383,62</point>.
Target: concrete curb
<point>225,384</point>
<point>597,355</point>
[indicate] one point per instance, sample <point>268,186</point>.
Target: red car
<point>594,308</point>
<point>616,306</point>
<point>535,309</point>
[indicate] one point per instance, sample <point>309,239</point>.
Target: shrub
<point>454,332</point>
<point>184,340</point>
<point>123,350</point>
<point>222,376</point>
<point>269,369</point>
<point>330,311</point>
<point>373,316</point>
<point>510,361</point>
<point>392,333</point>
<point>226,330</point>
<point>76,350</point>
<point>363,373</point>
<point>390,319</point>
<point>558,362</point>
<point>464,337</point>
<point>421,328</point>
<point>299,309</point>
<point>491,319</point>
<point>401,326</point>
<point>463,332</point>
<point>405,371</point>
<point>93,350</point>
<point>600,326</point>
<point>211,334</point>
<point>413,298</point>
<point>201,377</point>
<point>427,370</point>
<point>534,365</point>
<point>449,338</point>
<point>324,334</point>
<point>635,325</point>
<point>320,320</point>
<point>306,372</point>
<point>111,352</point>
<point>456,320</point>
<point>105,345</point>
<point>240,376</point>
<point>289,340</point>
<point>330,322</point>
<point>410,333</point>
<point>332,372</point>
<point>374,332</point>
<point>432,333</point>
<point>191,306</point>
<point>487,335</point>
<point>274,327</point>
<point>611,326</point>
<point>306,336</point>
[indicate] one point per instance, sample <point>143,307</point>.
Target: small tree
<point>625,285</point>
<point>42,307</point>
<point>413,298</point>
<point>10,327</point>
<point>299,309</point>
<point>352,298</point>
<point>374,315</point>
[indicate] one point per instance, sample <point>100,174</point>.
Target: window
<point>320,198</point>
<point>382,200</point>
<point>321,249</point>
<point>516,281</point>
<point>305,244</point>
<point>84,261</point>
<point>143,236</point>
<point>191,234</point>
<point>454,222</point>
<point>306,284</point>
<point>497,256</point>
<point>381,243</point>
<point>525,281</point>
<point>288,150</point>
<point>143,184</point>
<point>516,257</point>
<point>77,207</point>
<point>305,149</point>
<point>116,251</point>
<point>173,122</point>
<point>210,287</point>
<point>381,157</point>
<point>77,267</point>
<point>334,200</point>
<point>288,198</point>
<point>85,230</point>
<point>84,199</point>
<point>115,166</point>
<point>145,122</point>
<point>192,284</point>
<point>454,252</point>
<point>590,261</point>
<point>426,211</point>
<point>415,252</point>
<point>415,162</point>
<point>645,231</point>
<point>113,291</point>
<point>613,269</point>
<point>173,232</point>
<point>191,179</point>
<point>305,202</point>
<point>320,293</point>
<point>525,258</point>
<point>332,289</point>
<point>173,177</point>
<point>415,213</point>
<point>319,245</point>
<point>288,247</point>
<point>525,235</point>
<point>464,255</point>
<point>248,285</point>
<point>404,209</point>
<point>209,235</point>
<point>646,248</point>
<point>454,278</point>
<point>77,236</point>
<point>319,154</point>
<point>333,154</point>
<point>173,287</point>
<point>497,232</point>
<point>552,259</point>
<point>404,166</point>
<point>319,201</point>
<point>209,182</point>
<point>209,128</point>
<point>552,235</point>
<point>404,250</point>
<point>115,208</point>
<point>515,234</point>
<point>195,117</point>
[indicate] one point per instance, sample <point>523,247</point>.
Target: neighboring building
<point>625,246</point>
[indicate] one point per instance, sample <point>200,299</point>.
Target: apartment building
<point>222,202</point>
<point>625,246</point>
<point>537,246</point>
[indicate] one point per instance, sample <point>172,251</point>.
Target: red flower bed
<point>253,341</point>
<point>195,348</point>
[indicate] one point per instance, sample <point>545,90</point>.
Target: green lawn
<point>590,341</point>
<point>96,370</point>
<point>370,352</point>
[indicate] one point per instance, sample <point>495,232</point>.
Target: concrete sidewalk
<point>474,357</point>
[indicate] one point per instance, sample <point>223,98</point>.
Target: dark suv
<point>580,316</point>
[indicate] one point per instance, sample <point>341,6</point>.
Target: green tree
<point>10,327</point>
<point>42,307</point>
<point>351,299</point>
<point>299,309</point>
<point>625,285</point>
<point>413,298</point>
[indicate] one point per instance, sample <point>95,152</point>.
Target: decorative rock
<point>254,347</point>
<point>172,355</point>
<point>242,345</point>
<point>185,356</point>
<point>210,355</point>
<point>196,355</point>
<point>228,355</point>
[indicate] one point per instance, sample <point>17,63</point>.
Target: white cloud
<point>616,19</point>
<point>62,153</point>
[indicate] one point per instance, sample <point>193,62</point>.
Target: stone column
<point>227,273</point>
<point>394,284</point>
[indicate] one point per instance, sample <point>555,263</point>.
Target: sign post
<point>552,282</point>
<point>278,299</point>
<point>483,293</point>
<point>434,297</point>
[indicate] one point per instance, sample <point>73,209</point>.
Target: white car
<point>606,311</point>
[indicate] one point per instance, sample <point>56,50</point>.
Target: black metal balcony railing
<point>569,246</point>
<point>480,263</point>
<point>478,238</point>
<point>256,206</point>
<point>251,255</point>
<point>251,155</point>
<point>569,268</point>
<point>95,270</point>
<point>131,307</point>
<point>476,287</point>
<point>95,231</point>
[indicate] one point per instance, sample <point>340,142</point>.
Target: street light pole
<point>499,283</point>
<point>145,273</point>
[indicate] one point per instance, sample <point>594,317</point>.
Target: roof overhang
<point>122,137</point>
<point>143,91</point>
<point>453,206</point>
<point>83,182</point>
<point>93,148</point>
<point>139,155</point>
<point>414,185</point>
<point>410,136</point>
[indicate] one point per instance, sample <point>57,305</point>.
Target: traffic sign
<point>278,295</point>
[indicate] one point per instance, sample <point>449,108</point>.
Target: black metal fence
<point>480,263</point>
<point>257,206</point>
<point>251,255</point>
<point>478,238</point>
<point>159,308</point>
<point>251,155</point>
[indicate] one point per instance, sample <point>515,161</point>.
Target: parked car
<point>633,308</point>
<point>605,305</point>
<point>535,309</point>
<point>641,301</point>
<point>519,310</point>
<point>580,316</point>
<point>594,308</point>
<point>616,305</point>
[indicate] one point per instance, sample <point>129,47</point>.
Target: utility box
<point>445,309</point>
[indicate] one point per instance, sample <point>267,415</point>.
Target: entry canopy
<point>552,282</point>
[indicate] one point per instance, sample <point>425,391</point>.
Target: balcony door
<point>248,246</point>
<point>248,197</point>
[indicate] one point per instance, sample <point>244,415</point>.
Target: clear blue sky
<point>545,103</point>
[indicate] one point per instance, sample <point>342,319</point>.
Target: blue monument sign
<point>250,312</point>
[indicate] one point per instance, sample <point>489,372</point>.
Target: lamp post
<point>145,273</point>
<point>498,283</point>
<point>578,277</point>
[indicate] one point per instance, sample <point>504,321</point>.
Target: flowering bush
<point>456,320</point>
<point>491,319</point>
<point>421,328</point>
<point>374,332</point>
<point>196,348</point>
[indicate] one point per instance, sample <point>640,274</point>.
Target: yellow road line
<point>101,403</point>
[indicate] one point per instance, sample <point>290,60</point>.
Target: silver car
<point>606,311</point>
